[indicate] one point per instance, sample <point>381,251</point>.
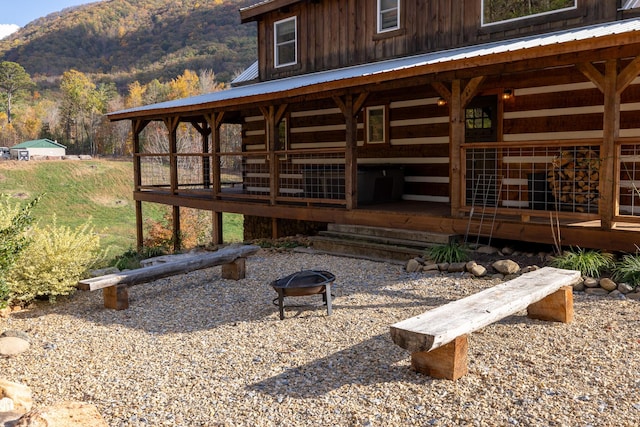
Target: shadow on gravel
<point>374,361</point>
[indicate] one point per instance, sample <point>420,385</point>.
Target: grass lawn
<point>99,191</point>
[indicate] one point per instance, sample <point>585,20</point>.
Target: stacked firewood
<point>574,179</point>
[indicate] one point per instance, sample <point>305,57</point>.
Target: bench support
<point>557,307</point>
<point>447,362</point>
<point>116,297</point>
<point>235,270</point>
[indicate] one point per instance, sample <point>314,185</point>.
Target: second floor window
<point>285,42</point>
<point>388,15</point>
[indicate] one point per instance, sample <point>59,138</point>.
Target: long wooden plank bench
<point>114,286</point>
<point>438,337</point>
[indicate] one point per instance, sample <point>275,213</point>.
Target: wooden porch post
<point>350,107</point>
<point>457,98</point>
<point>611,84</point>
<point>172,127</point>
<point>272,117</point>
<point>215,121</point>
<point>137,127</point>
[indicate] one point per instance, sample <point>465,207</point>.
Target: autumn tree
<point>82,108</point>
<point>14,81</point>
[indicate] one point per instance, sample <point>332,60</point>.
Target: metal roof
<point>631,4</point>
<point>39,143</point>
<point>248,75</point>
<point>463,57</point>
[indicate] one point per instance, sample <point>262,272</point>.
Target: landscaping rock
<point>608,284</point>
<point>430,267</point>
<point>12,346</point>
<point>413,266</point>
<point>5,312</point>
<point>65,414</point>
<point>625,288</point>
<point>590,282</point>
<point>507,251</point>
<point>478,270</point>
<point>634,296</point>
<point>616,294</point>
<point>17,334</point>
<point>579,287</point>
<point>506,266</point>
<point>457,267</point>
<point>596,291</point>
<point>6,405</point>
<point>19,394</point>
<point>443,266</point>
<point>469,265</point>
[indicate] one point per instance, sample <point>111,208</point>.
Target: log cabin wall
<point>340,33</point>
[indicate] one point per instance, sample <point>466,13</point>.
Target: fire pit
<point>303,283</point>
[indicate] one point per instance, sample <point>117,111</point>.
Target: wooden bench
<point>114,286</point>
<point>438,337</point>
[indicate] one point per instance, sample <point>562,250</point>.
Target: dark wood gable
<point>340,33</point>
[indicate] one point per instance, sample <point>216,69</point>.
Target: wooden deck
<point>423,216</point>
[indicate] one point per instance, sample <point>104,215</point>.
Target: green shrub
<point>628,270</point>
<point>130,259</point>
<point>54,262</point>
<point>590,263</point>
<point>14,220</point>
<point>451,252</point>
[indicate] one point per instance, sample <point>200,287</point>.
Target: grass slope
<point>95,190</point>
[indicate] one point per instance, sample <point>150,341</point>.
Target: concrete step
<point>383,240</point>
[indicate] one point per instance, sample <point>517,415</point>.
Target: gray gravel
<point>196,350</point>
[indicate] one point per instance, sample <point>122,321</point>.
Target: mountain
<point>128,40</point>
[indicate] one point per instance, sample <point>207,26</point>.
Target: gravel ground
<point>196,350</point>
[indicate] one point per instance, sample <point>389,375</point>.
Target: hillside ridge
<point>128,40</point>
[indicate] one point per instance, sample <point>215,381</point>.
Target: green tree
<point>14,81</point>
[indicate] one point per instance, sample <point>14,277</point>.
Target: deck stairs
<point>376,243</point>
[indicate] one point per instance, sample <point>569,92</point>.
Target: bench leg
<point>116,297</point>
<point>557,307</point>
<point>446,362</point>
<point>235,270</point>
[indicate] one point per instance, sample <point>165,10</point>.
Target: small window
<point>499,11</point>
<point>376,125</point>
<point>480,119</point>
<point>285,42</point>
<point>388,15</point>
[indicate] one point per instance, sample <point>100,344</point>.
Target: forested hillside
<point>123,41</point>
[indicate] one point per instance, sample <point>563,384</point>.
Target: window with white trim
<point>376,125</point>
<point>388,15</point>
<point>499,11</point>
<point>285,42</point>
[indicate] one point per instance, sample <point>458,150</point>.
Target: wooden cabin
<point>423,115</point>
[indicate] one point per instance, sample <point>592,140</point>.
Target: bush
<point>451,252</point>
<point>54,262</point>
<point>628,270</point>
<point>590,263</point>
<point>13,222</point>
<point>130,259</point>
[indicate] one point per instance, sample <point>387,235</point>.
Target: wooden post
<point>177,244</point>
<point>557,307</point>
<point>608,207</point>
<point>456,131</point>
<point>446,362</point>
<point>116,297</point>
<point>215,122</point>
<point>236,270</point>
<point>137,127</point>
<point>350,107</point>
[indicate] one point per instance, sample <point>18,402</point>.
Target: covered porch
<point>565,150</point>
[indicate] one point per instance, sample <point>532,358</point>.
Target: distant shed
<point>38,148</point>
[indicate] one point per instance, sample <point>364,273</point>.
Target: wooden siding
<point>339,33</point>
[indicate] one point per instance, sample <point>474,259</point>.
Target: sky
<point>21,12</point>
